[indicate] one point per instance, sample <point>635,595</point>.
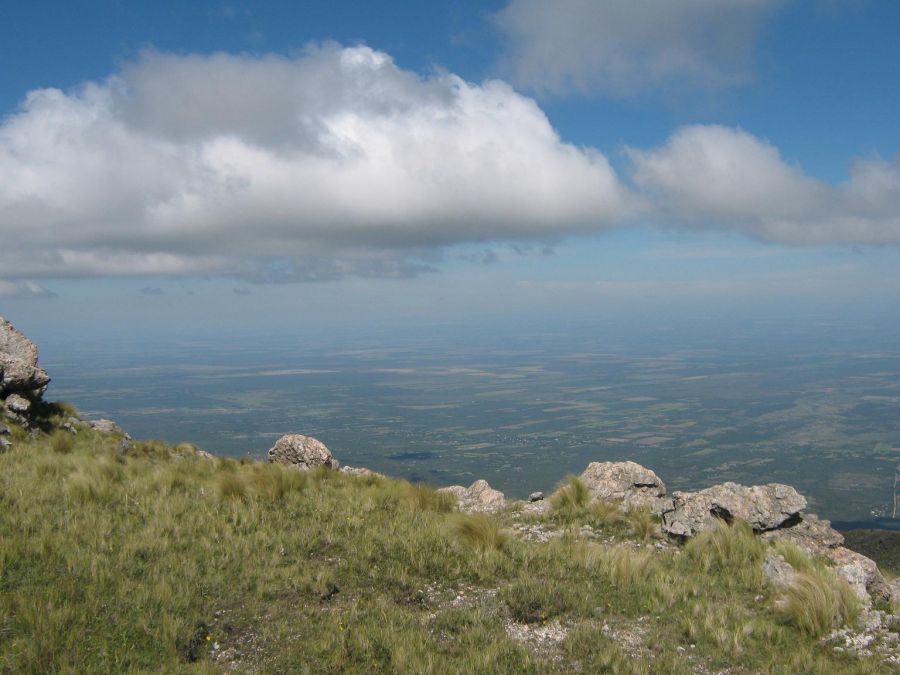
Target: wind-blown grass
<point>162,560</point>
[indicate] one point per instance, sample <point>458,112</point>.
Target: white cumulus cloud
<point>627,47</point>
<point>332,162</point>
<point>713,176</point>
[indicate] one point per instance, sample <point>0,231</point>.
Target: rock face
<point>628,482</point>
<point>813,534</point>
<point>764,507</point>
<point>19,372</point>
<point>861,573</point>
<point>302,452</point>
<point>479,496</point>
<point>778,570</point>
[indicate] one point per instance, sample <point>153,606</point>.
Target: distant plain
<point>817,408</point>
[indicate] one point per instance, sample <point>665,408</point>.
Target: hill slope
<point>157,558</point>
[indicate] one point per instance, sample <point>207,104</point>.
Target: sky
<point>168,167</point>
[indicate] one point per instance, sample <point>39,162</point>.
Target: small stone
<point>5,444</point>
<point>4,430</point>
<point>68,427</point>
<point>536,496</point>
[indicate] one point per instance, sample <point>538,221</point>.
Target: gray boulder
<point>302,452</point>
<point>861,573</point>
<point>811,533</point>
<point>4,430</point>
<point>18,404</point>
<point>478,497</point>
<point>627,482</point>
<point>778,571</point>
<point>19,372</point>
<point>764,507</point>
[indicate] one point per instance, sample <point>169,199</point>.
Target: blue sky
<point>184,164</point>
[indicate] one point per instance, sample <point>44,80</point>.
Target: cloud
<point>713,176</point>
<point>23,290</point>
<point>627,47</point>
<point>329,163</point>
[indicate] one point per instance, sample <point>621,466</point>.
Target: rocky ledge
<point>774,511</point>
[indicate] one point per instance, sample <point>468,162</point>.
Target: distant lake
<point>817,408</point>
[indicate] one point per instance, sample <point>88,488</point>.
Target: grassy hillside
<point>162,560</point>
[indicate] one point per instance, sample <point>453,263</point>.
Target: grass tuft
<point>480,532</point>
<point>573,495</point>
<point>232,486</point>
<point>62,442</point>
<point>817,601</point>
<point>426,498</point>
<point>641,523</point>
<point>726,548</point>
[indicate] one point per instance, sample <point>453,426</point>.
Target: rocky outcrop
<point>19,371</point>
<point>627,482</point>
<point>861,573</point>
<point>763,507</point>
<point>478,497</point>
<point>777,570</point>
<point>811,533</point>
<point>302,452</point>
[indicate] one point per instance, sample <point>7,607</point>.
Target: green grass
<point>161,560</point>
